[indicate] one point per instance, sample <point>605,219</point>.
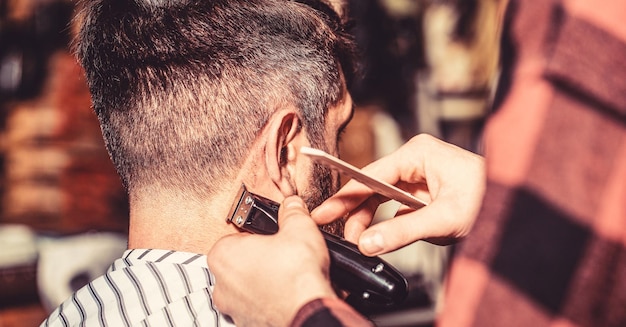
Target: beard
<point>323,185</point>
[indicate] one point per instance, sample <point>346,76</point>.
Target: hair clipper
<point>367,279</point>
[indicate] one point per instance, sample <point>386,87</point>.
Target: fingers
<point>449,178</point>
<point>389,235</point>
<point>360,218</point>
<point>402,167</point>
<point>349,197</point>
<point>435,223</point>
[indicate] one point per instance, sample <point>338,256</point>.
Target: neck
<point>169,220</point>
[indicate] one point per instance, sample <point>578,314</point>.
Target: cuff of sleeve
<point>328,309</point>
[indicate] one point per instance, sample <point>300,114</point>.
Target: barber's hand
<point>265,279</point>
<point>451,179</point>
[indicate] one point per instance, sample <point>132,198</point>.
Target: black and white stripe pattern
<point>145,288</point>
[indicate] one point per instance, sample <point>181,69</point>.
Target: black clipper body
<point>373,280</point>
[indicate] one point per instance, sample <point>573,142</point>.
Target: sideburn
<point>323,186</point>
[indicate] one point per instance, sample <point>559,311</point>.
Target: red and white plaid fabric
<point>549,246</point>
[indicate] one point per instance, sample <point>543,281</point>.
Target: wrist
<point>328,311</point>
<point>309,287</point>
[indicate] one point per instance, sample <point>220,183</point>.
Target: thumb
<point>291,212</point>
<point>429,223</point>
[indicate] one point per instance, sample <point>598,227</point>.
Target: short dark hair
<point>182,87</point>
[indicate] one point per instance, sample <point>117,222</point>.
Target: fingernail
<point>372,242</point>
<point>293,202</point>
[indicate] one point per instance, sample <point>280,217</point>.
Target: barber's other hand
<point>451,179</point>
<point>263,280</point>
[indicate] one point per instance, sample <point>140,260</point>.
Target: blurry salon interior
<point>428,66</point>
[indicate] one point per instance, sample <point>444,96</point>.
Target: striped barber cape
<point>145,288</point>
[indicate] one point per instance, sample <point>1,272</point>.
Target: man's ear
<point>285,138</point>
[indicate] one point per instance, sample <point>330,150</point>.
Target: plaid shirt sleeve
<point>328,312</point>
<point>549,245</point>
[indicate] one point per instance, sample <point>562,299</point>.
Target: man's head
<point>183,88</point>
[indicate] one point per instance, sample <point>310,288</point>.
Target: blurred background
<point>428,66</point>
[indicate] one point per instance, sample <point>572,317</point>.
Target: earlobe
<point>281,151</point>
